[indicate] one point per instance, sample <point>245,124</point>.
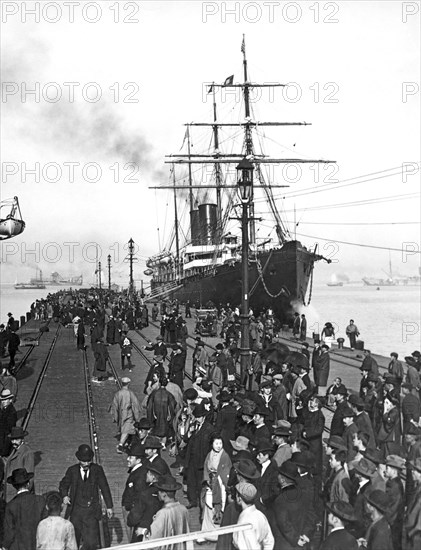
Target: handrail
<point>176,539</point>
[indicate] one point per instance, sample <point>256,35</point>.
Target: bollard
<point>22,320</point>
<point>340,343</point>
<point>28,316</point>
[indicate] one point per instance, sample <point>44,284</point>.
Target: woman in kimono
<point>216,472</point>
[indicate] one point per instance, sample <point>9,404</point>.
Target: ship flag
<point>243,45</point>
<point>229,80</point>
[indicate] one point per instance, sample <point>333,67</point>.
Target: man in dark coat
<point>337,426</point>
<point>8,419</point>
<point>321,370</point>
<point>369,363</point>
<point>176,366</point>
<point>287,523</point>
<point>268,481</point>
<point>379,536</point>
<point>4,337</point>
<point>161,410</point>
<point>79,489</point>
<point>410,407</point>
<point>146,503</point>
<point>23,513</point>
<point>361,419</point>
<point>339,514</point>
<point>159,348</point>
<point>226,420</point>
<point>13,346</point>
<point>396,494</point>
<point>136,481</point>
<point>197,450</point>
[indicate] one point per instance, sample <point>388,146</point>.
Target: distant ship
<point>34,284</point>
<point>394,280</point>
<point>334,281</point>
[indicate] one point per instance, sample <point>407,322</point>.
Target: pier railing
<point>178,539</point>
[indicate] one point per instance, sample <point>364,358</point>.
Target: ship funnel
<point>208,223</point>
<point>195,227</point>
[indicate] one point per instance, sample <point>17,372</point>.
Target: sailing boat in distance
<point>334,281</point>
<point>206,269</point>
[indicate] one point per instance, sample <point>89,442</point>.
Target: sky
<point>115,82</point>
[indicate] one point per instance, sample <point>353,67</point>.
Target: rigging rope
<point>359,244</point>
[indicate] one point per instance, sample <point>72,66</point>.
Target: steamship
<point>206,268</point>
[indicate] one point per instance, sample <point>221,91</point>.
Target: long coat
<point>97,481</point>
<point>198,446</point>
<point>287,523</point>
<point>413,521</point>
<point>379,536</point>
<point>389,434</point>
<point>161,411</point>
<point>321,369</point>
<point>22,457</point>
<point>226,421</point>
<point>22,516</point>
<point>8,419</point>
<point>125,410</point>
<point>313,426</point>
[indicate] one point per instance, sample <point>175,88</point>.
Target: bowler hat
<point>278,376</point>
<point>379,500</point>
<point>264,446</point>
<point>158,468</point>
<point>395,461</point>
<point>125,381</point>
<point>143,424</point>
<point>415,464</point>
<point>246,468</point>
<point>240,444</point>
<point>247,491</point>
<point>199,410</point>
<point>342,510</point>
<point>17,432</point>
<point>356,400</point>
<point>341,390</point>
<point>84,453</point>
<point>365,468</point>
<point>167,483</point>
<point>262,411</point>
<point>304,459</point>
<point>248,407</point>
<point>206,386</point>
<point>19,476</point>
<point>346,412</point>
<point>410,360</point>
<point>158,358</point>
<point>282,424</point>
<point>159,338</point>
<point>152,442</point>
<point>137,449</point>
<point>288,469</point>
<point>336,442</point>
<point>219,347</point>
<point>416,354</point>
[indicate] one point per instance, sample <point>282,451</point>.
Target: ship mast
<point>218,177</point>
<point>177,241</point>
<point>248,136</point>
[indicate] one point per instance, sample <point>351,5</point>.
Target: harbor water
<point>388,319</point>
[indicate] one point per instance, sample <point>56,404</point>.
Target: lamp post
<point>245,189</point>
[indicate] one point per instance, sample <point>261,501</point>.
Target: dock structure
<point>54,389</point>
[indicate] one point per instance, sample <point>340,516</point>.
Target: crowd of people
<point>245,447</point>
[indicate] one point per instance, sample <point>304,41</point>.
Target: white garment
<point>56,533</point>
<point>259,537</point>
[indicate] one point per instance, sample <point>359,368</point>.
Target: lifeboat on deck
<point>12,224</point>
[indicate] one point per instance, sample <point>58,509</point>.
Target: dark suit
<point>23,513</point>
<point>268,486</point>
<point>135,484</point>
<point>146,504</point>
<point>287,522</point>
<point>363,423</point>
<point>226,421</point>
<point>197,449</point>
<point>337,426</point>
<point>339,540</point>
<point>8,419</point>
<point>84,509</point>
<point>379,536</point>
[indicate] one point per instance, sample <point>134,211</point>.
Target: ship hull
<point>283,285</point>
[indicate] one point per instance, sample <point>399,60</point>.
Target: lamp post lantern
<point>245,188</point>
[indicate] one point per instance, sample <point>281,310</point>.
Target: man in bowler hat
<point>79,489</point>
<point>23,513</point>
